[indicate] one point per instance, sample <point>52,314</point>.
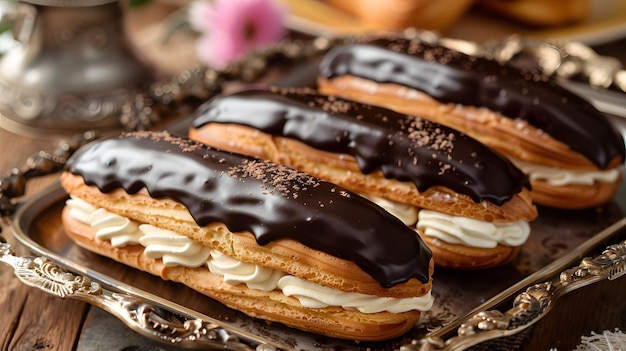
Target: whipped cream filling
<point>180,250</point>
<point>238,272</point>
<point>472,232</point>
<point>561,177</point>
<point>316,296</point>
<point>120,231</point>
<point>174,249</point>
<point>456,229</point>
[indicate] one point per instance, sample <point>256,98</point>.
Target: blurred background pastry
<point>398,14</point>
<point>549,12</point>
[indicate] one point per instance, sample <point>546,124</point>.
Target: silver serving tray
<point>550,264</point>
<point>558,241</point>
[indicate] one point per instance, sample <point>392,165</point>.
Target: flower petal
<point>200,14</point>
<point>234,27</point>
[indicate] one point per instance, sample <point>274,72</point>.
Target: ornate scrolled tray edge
<point>532,297</point>
<point>145,313</point>
<point>533,303</point>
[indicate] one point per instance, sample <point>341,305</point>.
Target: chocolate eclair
<point>273,242</point>
<point>470,205</point>
<point>570,151</point>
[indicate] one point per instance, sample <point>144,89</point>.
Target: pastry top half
<point>403,147</point>
<point>270,201</point>
<point>449,76</point>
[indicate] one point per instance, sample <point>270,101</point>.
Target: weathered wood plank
<point>32,319</point>
<point>47,322</point>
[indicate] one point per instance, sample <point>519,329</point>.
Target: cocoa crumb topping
<point>424,135</point>
<point>332,105</point>
<point>433,139</point>
<point>185,145</point>
<point>274,177</point>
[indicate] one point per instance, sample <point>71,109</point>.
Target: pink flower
<point>231,28</point>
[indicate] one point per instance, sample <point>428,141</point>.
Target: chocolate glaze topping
<point>452,77</point>
<point>403,147</point>
<point>268,200</point>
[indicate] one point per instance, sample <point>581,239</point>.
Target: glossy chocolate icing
<point>403,147</point>
<point>268,200</point>
<point>452,77</point>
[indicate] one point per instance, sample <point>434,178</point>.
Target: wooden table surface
<point>33,320</point>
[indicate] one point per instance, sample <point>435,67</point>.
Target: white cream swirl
<point>120,231</point>
<point>455,229</point>
<point>80,210</point>
<point>313,295</point>
<point>176,249</point>
<point>472,232</point>
<point>238,272</point>
<point>560,177</point>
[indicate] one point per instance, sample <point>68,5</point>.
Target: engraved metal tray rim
<point>29,212</point>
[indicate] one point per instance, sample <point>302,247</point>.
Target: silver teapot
<point>72,69</point>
